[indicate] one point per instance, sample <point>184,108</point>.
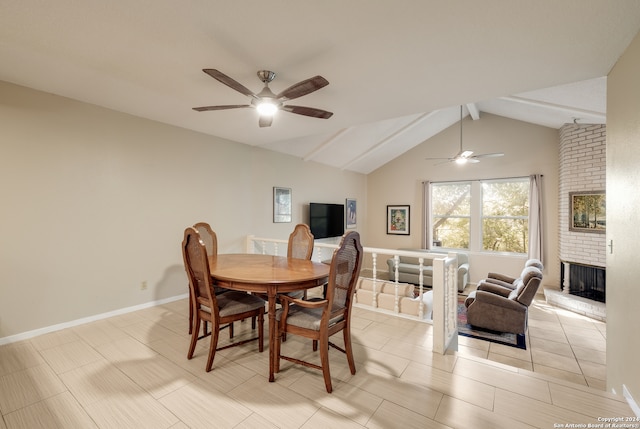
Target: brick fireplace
<point>582,254</point>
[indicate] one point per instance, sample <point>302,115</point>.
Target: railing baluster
<point>396,263</point>
<point>421,288</point>
<point>374,257</point>
<point>374,294</point>
<point>396,299</point>
<point>374,298</point>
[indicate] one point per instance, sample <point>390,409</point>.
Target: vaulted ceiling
<point>398,70</point>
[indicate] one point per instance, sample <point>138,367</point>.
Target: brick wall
<point>582,168</point>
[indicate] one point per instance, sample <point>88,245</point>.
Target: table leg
<point>271,294</point>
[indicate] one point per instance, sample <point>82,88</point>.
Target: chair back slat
<point>197,266</point>
<point>300,244</point>
<point>344,272</point>
<point>210,240</point>
<point>208,237</point>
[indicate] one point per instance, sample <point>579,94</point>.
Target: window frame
<point>457,216</point>
<point>525,181</point>
<point>477,217</point>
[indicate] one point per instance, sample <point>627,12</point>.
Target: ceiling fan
<point>466,156</point>
<point>266,102</point>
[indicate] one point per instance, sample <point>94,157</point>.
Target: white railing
<point>444,295</point>
<point>445,313</point>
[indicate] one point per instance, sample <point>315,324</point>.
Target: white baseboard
<point>30,334</point>
<point>632,403</point>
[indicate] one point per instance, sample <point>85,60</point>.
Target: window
<point>489,215</point>
<point>505,215</point>
<point>451,208</point>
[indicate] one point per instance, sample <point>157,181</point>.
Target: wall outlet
<point>143,285</point>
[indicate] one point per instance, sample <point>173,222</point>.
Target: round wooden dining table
<point>270,275</point>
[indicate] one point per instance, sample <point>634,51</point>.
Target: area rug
<point>467,330</point>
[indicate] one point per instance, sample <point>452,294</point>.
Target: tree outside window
<point>451,208</point>
<point>505,215</point>
<point>491,215</point>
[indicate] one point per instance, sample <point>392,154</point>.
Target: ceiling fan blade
<point>446,161</point>
<point>442,160</point>
<point>265,121</point>
<point>303,88</point>
<point>224,107</point>
<point>488,155</point>
<point>231,83</point>
<point>308,111</point>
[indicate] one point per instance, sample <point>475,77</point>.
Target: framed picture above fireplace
<point>588,211</point>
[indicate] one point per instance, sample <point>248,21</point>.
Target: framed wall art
<point>398,220</point>
<point>588,211</point>
<point>281,205</point>
<point>350,219</point>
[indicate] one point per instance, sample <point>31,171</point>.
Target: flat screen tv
<point>326,220</point>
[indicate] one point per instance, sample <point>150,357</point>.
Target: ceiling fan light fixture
<point>267,107</point>
<point>461,160</point>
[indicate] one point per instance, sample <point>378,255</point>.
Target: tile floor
<point>131,371</point>
<point>560,344</point>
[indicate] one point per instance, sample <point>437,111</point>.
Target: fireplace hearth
<point>586,281</point>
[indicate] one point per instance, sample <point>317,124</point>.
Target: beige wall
<point>623,218</point>
<point>94,202</point>
<point>528,149</point>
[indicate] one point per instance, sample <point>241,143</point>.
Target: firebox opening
<point>587,281</point>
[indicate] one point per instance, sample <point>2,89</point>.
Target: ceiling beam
<point>327,143</point>
<point>473,111</point>
<point>389,138</point>
<point>545,105</point>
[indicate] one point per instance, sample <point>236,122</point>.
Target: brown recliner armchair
<point>502,309</point>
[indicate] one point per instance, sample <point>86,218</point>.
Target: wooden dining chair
<point>219,310</point>
<point>210,240</point>
<point>320,319</point>
<point>300,246</point>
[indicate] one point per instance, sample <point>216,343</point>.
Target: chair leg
<point>324,360</point>
<point>260,332</point>
<point>230,330</point>
<point>213,345</point>
<point>348,349</point>
<point>194,338</point>
<point>277,345</point>
<point>190,313</point>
